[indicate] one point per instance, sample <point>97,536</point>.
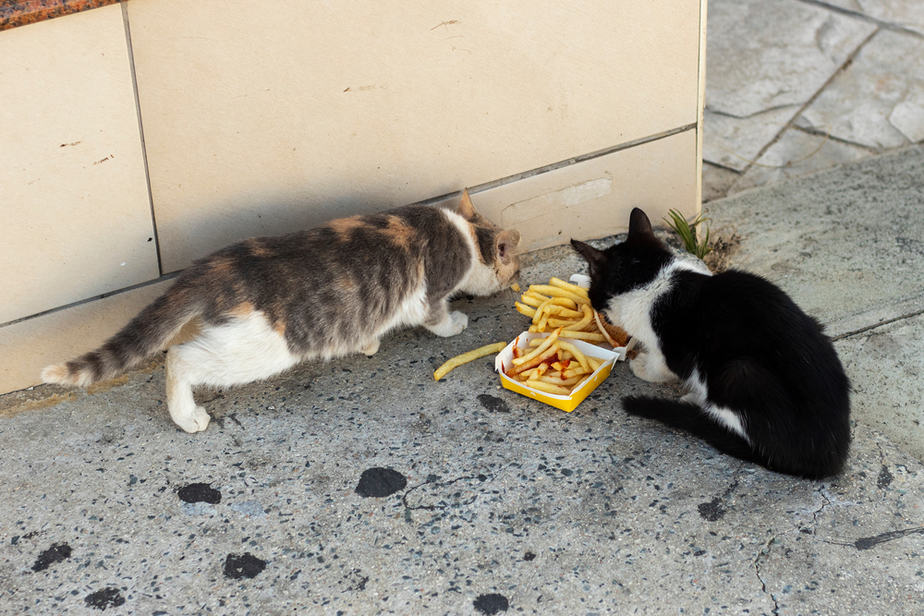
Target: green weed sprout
<point>687,232</point>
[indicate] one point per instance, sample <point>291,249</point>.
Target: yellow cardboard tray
<point>565,403</point>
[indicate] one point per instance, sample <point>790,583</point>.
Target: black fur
<point>758,353</point>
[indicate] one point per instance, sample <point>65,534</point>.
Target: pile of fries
<point>563,305</point>
<point>553,365</point>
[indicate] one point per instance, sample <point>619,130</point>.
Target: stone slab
<point>794,154</point>
<point>878,101</point>
<point>735,143</point>
<point>765,55</point>
<point>717,181</point>
<point>886,369</point>
<point>901,13</point>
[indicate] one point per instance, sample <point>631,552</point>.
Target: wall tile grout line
<point>144,150</point>
<point>516,177</point>
<point>95,298</point>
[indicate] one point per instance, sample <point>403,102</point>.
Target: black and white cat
<point>765,384</point>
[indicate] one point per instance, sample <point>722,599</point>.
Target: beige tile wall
<point>76,219</point>
<point>32,344</point>
<point>364,105</point>
<point>258,122</point>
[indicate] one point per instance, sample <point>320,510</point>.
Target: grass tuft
<point>687,232</point>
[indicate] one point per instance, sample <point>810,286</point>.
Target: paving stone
<point>794,154</point>
<point>716,181</point>
<point>735,142</point>
<point>903,13</point>
<point>878,101</point>
<point>763,55</point>
<point>890,403</point>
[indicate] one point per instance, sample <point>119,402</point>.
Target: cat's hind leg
<point>444,323</point>
<point>180,402</point>
<point>242,350</point>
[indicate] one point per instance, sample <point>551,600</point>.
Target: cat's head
<point>499,261</point>
<point>627,265</point>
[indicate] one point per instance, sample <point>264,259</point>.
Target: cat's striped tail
<point>146,334</point>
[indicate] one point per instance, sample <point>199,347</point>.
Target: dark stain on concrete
<point>491,604</point>
<point>379,482</point>
<point>105,598</point>
<point>199,493</point>
<point>712,510</point>
<point>244,565</point>
<point>493,403</point>
<point>885,477</point>
<point>54,554</point>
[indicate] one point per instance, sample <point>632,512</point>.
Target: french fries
<point>565,306</point>
<point>454,362</point>
<point>551,364</point>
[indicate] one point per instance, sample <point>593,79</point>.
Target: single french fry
<point>548,387</point>
<point>568,286</point>
<point>524,309</point>
<point>588,336</point>
<point>454,362</point>
<point>594,362</point>
<point>515,287</point>
<point>533,300</point>
<point>552,291</point>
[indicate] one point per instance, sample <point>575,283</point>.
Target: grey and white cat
<point>265,304</point>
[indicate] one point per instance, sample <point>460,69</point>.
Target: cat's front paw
<point>459,322</point>
<point>454,323</point>
<point>196,421</point>
<point>650,368</point>
<point>372,348</point>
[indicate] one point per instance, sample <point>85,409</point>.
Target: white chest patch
<point>633,309</point>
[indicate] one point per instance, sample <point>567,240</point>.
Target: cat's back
<point>748,316</point>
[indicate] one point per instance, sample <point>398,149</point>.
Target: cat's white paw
<point>694,397</point>
<point>196,421</point>
<point>459,322</point>
<point>372,348</point>
<point>454,323</point>
<point>650,368</point>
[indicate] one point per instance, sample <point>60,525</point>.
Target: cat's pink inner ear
<point>506,242</point>
<point>466,208</point>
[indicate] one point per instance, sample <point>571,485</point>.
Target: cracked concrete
<point>360,486</point>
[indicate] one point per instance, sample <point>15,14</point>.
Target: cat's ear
<point>505,244</point>
<point>639,225</point>
<point>595,258</point>
<point>466,208</point>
